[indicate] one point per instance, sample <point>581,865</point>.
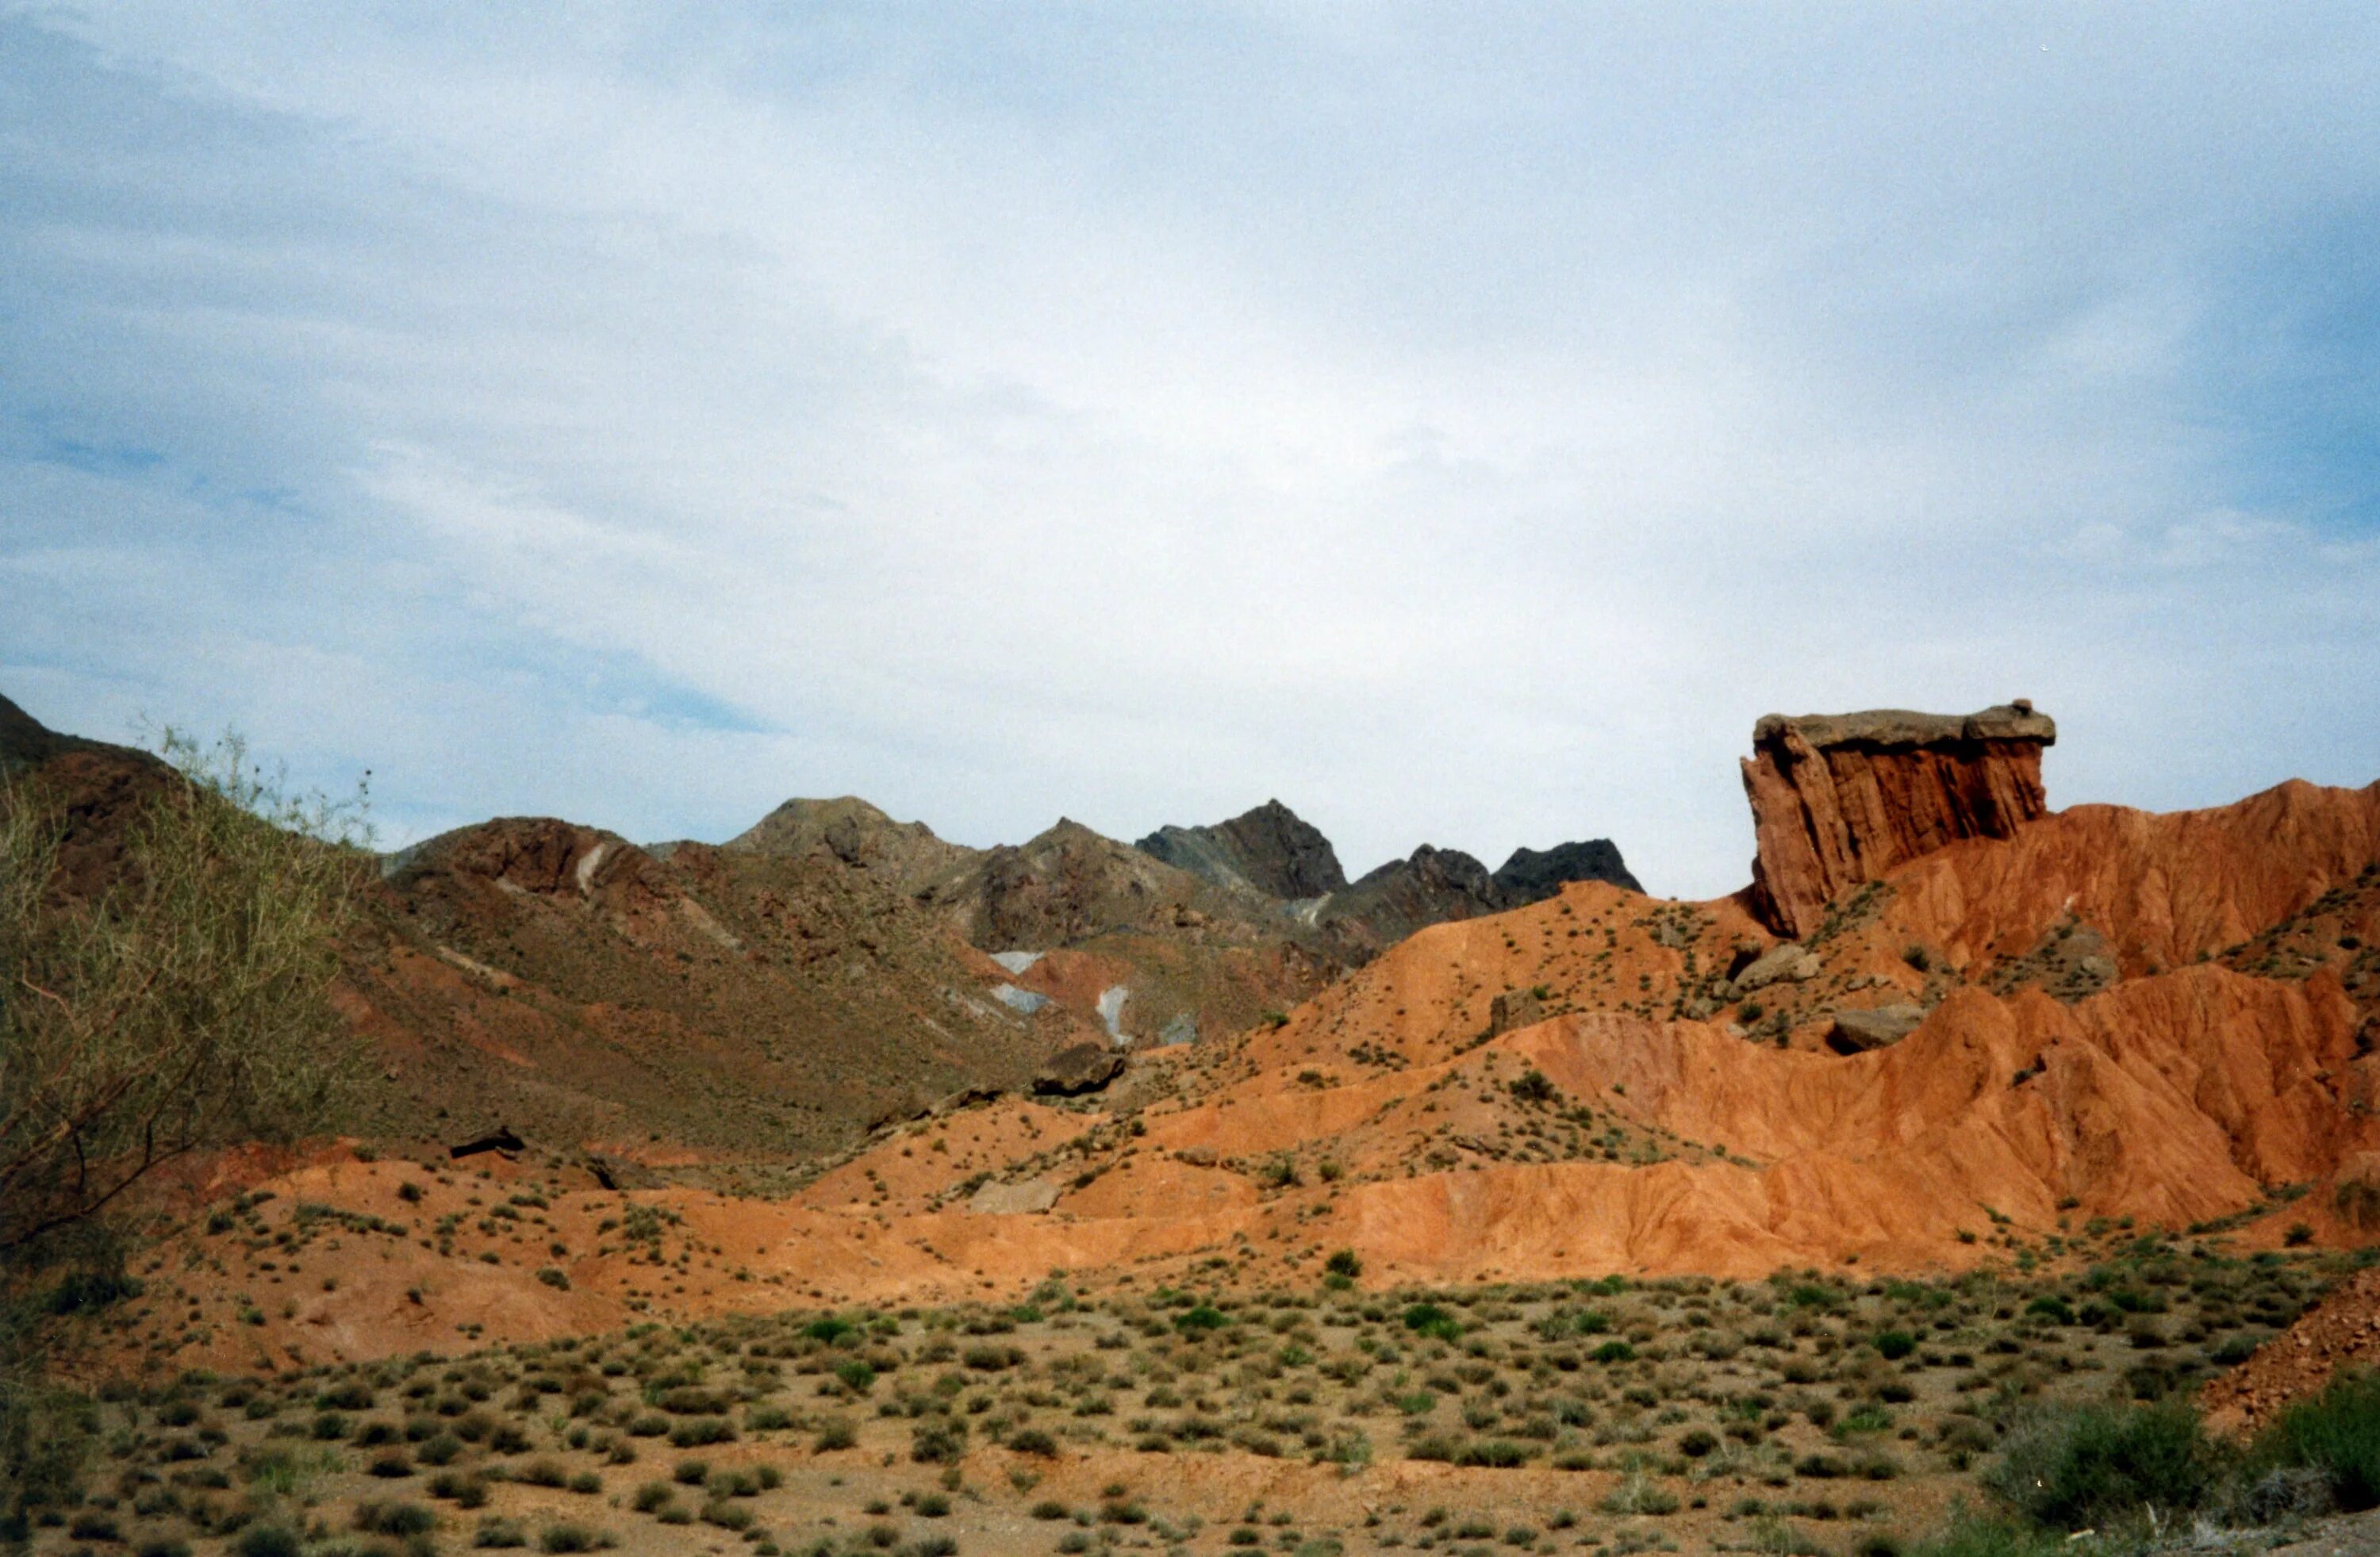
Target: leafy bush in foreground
<point>2337,1432</point>
<point>1969,1535</point>
<point>2087,1465</point>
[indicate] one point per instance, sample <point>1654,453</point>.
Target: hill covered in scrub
<point>2104,1016</point>
<point>1644,1217</point>
<point>770,1000</point>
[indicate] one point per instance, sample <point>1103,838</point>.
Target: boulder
<point>1515,1007</point>
<point>503,1139</point>
<point>1028,1198</point>
<point>1787,959</point>
<point>1857,1031</point>
<point>618,1173</point>
<point>1077,1068</point>
<point>1838,800</point>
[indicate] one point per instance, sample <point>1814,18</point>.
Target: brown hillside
<point>1978,1057</point>
<point>1603,1131</point>
<point>565,982</point>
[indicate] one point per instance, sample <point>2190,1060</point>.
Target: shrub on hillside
<point>1429,1319</point>
<point>2337,1432</point>
<point>2087,1465</point>
<point>1970,1535</point>
<point>182,1002</point>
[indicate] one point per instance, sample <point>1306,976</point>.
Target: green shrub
<point>2089,1466</point>
<point>394,1518</point>
<point>464,1491</point>
<point>1345,1262</point>
<point>1894,1345</point>
<point>1204,1316</point>
<point>2337,1432</point>
<point>1429,1319</point>
<point>1639,1494</point>
<point>938,1443</point>
<point>267,1541</point>
<point>1968,1535</point>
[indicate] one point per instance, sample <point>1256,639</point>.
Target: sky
<point>1459,421</point>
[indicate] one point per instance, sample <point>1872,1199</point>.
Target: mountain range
<point>774,996</point>
<point>1944,1026</point>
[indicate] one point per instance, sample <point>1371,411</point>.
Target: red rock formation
<point>1841,799</point>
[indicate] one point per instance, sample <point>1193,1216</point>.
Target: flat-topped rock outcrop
<point>1838,800</point>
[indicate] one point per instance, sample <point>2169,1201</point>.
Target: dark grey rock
<point>1857,1031</point>
<point>1270,848</point>
<point>1077,1068</point>
<point>1902,729</point>
<point>1533,876</point>
<point>1429,887</point>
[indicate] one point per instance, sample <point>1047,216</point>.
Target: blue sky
<point>1459,421</point>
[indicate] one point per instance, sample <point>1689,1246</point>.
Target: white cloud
<point>1460,424</point>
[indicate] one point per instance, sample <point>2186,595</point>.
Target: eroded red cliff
<point>1838,800</point>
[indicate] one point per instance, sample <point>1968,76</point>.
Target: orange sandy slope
<point>2185,1093</point>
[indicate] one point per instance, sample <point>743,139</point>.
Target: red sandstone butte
<point>1838,800</point>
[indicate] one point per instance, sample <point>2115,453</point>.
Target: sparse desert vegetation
<point>1819,1412</point>
<point>1584,1226</point>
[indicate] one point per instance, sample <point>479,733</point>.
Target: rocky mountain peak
<point>1531,875</point>
<point>27,742</point>
<point>1270,848</point>
<point>907,855</point>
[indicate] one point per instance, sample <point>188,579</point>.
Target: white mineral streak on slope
<point>1017,999</point>
<point>587,864</point>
